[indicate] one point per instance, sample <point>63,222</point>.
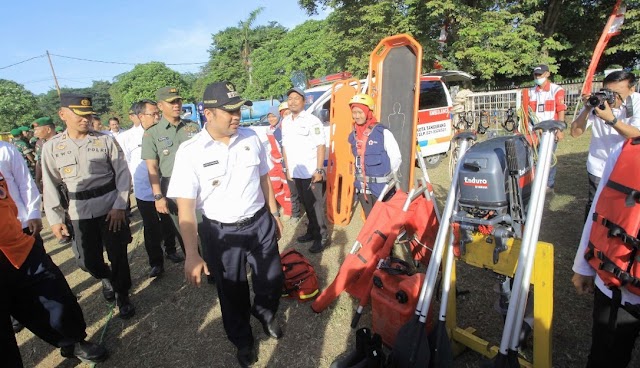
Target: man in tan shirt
<point>92,167</point>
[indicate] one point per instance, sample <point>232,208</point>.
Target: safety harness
<point>613,249</point>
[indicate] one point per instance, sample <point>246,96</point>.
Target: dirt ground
<point>178,325</point>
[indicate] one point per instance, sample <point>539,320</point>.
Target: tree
<point>17,105</point>
<point>246,41</point>
<point>226,60</point>
<point>140,83</point>
<point>304,48</point>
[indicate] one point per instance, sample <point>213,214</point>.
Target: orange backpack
<point>614,245</point>
<point>300,279</point>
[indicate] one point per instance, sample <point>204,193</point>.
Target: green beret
<point>23,129</point>
<point>39,122</point>
<point>16,132</point>
<point>59,129</point>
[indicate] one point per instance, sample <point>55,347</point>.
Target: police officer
<point>224,172</point>
<point>159,146</point>
<point>33,289</point>
<point>303,145</point>
<point>376,152</point>
<point>93,168</point>
<point>44,130</point>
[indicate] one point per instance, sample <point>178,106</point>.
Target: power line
<point>23,61</point>
<point>118,62</point>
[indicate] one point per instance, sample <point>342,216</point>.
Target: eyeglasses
<point>154,114</point>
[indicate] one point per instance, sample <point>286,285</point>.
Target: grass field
<point>177,325</point>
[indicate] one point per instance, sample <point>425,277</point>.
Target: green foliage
<point>228,51</point>
<point>17,105</point>
<point>140,83</point>
<point>304,48</point>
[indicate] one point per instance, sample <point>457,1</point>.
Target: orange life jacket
<point>613,249</point>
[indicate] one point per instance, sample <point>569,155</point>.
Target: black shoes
<point>247,356</point>
<point>127,310</point>
<point>107,290</point>
<point>86,351</point>
<point>156,271</point>
<point>17,326</point>
<point>306,238</point>
<point>319,245</point>
<point>175,257</point>
<point>272,328</point>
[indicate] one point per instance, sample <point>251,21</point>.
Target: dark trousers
<point>38,296</point>
<point>367,202</point>
<point>594,181</point>
<point>157,228</point>
<point>91,236</point>
<point>312,196</point>
<point>295,199</point>
<point>611,348</point>
<point>228,250</point>
<point>173,211</point>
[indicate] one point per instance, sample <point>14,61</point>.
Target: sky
<point>134,31</point>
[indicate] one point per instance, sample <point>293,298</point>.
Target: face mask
<point>540,81</point>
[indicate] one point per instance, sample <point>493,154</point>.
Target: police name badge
<point>165,152</point>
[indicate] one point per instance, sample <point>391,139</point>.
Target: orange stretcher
<point>395,66</point>
<point>340,166</point>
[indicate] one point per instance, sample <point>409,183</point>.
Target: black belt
<point>93,193</point>
<point>244,222</point>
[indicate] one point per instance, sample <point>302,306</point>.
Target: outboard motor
<point>495,185</point>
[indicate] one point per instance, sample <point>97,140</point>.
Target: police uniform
<point>34,290</point>
<point>160,143</point>
<point>96,176</point>
<point>237,227</point>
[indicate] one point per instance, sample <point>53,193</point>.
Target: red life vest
<point>613,249</point>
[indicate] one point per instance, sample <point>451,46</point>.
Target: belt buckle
<point>244,222</point>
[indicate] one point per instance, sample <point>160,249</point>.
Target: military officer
<point>18,139</point>
<point>159,146</point>
<point>224,172</point>
<point>93,168</point>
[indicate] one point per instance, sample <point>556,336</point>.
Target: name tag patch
<point>210,163</point>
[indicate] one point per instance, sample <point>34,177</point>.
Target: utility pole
<point>54,73</point>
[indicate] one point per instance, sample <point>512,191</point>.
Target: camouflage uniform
<point>25,150</point>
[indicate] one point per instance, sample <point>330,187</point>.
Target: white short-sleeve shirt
<point>300,138</point>
<point>605,137</point>
<point>223,179</point>
<point>131,143</point>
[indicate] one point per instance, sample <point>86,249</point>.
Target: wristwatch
<point>276,214</point>
<point>611,122</point>
<point>157,197</point>
<point>320,171</point>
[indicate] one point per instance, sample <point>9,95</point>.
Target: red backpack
<point>300,279</point>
